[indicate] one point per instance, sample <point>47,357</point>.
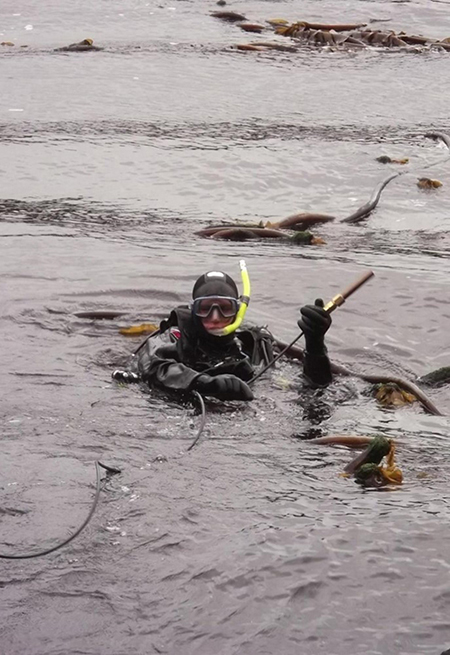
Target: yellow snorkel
<point>245,299</point>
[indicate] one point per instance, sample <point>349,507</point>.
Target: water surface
<point>111,161</point>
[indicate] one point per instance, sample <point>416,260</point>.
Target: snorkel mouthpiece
<point>245,299</point>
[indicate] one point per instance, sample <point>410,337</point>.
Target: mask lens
<point>228,307</point>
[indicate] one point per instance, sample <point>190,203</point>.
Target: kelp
<point>385,159</point>
<point>138,330</point>
<point>436,378</point>
<point>391,395</point>
<point>252,27</point>
<point>367,468</point>
<point>428,183</point>
<point>295,352</point>
<point>297,225</point>
<point>229,16</point>
<point>335,35</point>
<point>87,45</point>
<point>241,233</point>
<point>301,221</point>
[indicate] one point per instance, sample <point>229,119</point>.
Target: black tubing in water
<point>202,421</point>
<point>40,553</point>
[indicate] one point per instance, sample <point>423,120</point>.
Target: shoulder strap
<point>258,343</point>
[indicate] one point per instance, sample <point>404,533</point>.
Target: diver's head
<point>215,301</point>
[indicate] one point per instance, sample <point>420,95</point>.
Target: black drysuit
<point>190,351</point>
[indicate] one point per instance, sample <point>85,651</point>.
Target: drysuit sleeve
<point>159,364</point>
<point>314,323</point>
<point>317,368</point>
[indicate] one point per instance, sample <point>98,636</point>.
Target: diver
<point>200,347</point>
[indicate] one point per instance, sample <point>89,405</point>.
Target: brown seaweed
<point>212,229</point>
<point>428,183</point>
<point>252,27</point>
<point>343,440</point>
<point>436,378</point>
<point>87,45</point>
<point>391,395</point>
<point>351,35</point>
<point>270,45</point>
<point>234,234</point>
<point>295,352</point>
<point>230,16</point>
<point>385,159</point>
<point>302,221</point>
<point>251,47</point>
<point>336,27</point>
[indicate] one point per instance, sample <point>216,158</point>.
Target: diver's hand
<point>223,387</point>
<point>314,323</point>
<point>124,376</point>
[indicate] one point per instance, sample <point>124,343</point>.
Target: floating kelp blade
<point>302,221</point>
<point>277,22</point>
<point>270,45</point>
<point>229,16</point>
<point>250,47</point>
<point>87,45</point>
<point>295,29</point>
<point>138,330</point>
<point>234,234</point>
<point>368,207</point>
<point>252,27</point>
<point>246,232</point>
<point>342,440</point>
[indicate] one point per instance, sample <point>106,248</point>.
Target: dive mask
<point>226,306</point>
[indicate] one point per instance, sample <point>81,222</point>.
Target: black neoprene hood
<point>215,283</point>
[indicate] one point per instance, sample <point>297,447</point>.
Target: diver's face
<point>215,321</point>
<point>215,312</point>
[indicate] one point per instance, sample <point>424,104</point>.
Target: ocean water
<point>111,162</point>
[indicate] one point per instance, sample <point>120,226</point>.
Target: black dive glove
<point>124,376</point>
<point>314,322</point>
<point>223,387</point>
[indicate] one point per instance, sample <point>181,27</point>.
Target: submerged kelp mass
<point>112,161</point>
